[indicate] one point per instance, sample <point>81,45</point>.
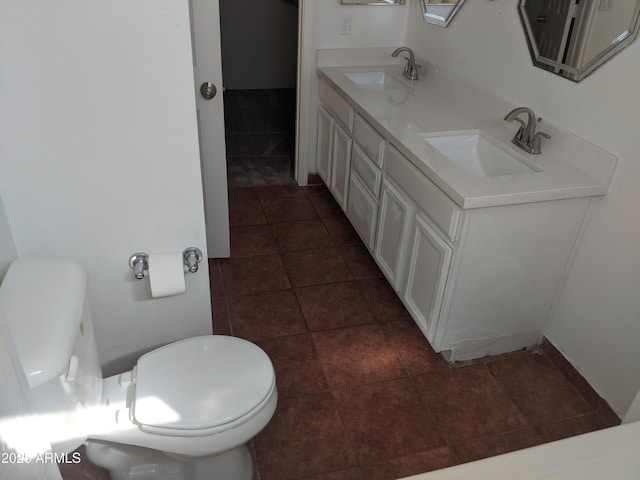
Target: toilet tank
<point>44,302</point>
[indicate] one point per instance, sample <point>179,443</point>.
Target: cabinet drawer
<point>370,175</point>
<point>430,198</point>
<point>369,140</point>
<point>338,106</point>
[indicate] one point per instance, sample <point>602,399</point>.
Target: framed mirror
<point>372,2</point>
<point>440,12</point>
<point>572,38</point>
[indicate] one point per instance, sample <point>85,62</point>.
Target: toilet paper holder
<point>191,257</point>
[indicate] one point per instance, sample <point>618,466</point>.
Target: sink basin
<point>374,80</point>
<point>479,155</point>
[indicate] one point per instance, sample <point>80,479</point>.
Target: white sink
<point>479,155</point>
<point>374,80</point>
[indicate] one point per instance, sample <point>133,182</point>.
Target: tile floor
<point>260,133</point>
<point>362,396</point>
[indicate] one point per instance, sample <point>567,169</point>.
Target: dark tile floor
<point>260,133</point>
<point>362,396</point>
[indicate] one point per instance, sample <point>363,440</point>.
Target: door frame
<point>305,148</point>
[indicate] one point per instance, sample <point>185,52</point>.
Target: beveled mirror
<point>440,12</point>
<point>572,38</point>
<point>372,2</point>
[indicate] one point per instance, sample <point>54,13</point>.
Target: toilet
<point>185,411</point>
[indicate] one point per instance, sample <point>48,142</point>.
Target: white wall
<point>371,26</point>
<point>259,43</point>
<point>595,322</point>
<point>99,155</point>
<point>7,247</point>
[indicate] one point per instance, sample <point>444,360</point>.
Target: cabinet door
<point>429,261</point>
<point>362,210</point>
<point>325,147</point>
<point>340,165</point>
<point>393,233</point>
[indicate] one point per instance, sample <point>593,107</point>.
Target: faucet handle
<point>411,69</point>
<point>536,142</point>
<point>541,134</point>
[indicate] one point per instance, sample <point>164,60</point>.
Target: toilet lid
<point>200,382</point>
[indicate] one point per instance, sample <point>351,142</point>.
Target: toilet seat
<point>200,385</point>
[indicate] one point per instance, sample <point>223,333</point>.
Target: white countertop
<point>569,166</point>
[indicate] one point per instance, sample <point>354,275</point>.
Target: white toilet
<point>184,412</point>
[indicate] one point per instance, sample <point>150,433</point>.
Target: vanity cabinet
<point>478,267</point>
<point>335,124</point>
<point>326,124</point>
<point>394,220</point>
<point>366,178</point>
<point>412,250</point>
<point>340,165</point>
<point>362,210</point>
<point>429,258</point>
<point>477,281</point>
<point>349,160</point>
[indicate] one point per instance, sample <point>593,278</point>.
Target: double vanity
<point>473,233</point>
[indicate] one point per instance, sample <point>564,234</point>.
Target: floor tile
<point>298,370</point>
<point>245,208</point>
<point>314,267</point>
<point>401,467</point>
<point>243,276</point>
<point>84,470</point>
<point>569,427</point>
<point>578,382</point>
<point>383,300</point>
<point>538,388</point>
<point>490,446</point>
<point>341,230</point>
<point>220,314</point>
<point>360,261</point>
<point>323,201</point>
<point>266,315</point>
<point>215,279</point>
<point>468,403</point>
<point>356,355</point>
<point>353,473</point>
<point>333,305</point>
<point>304,437</point>
<point>304,235</point>
<point>288,209</point>
<point>251,240</point>
<point>414,350</point>
<point>280,191</point>
<point>387,420</point>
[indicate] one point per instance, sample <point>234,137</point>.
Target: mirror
<point>371,2</point>
<point>440,12</point>
<point>572,38</point>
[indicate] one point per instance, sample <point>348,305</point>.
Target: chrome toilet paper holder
<point>191,257</point>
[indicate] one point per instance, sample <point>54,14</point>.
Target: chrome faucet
<point>411,68</point>
<point>526,137</point>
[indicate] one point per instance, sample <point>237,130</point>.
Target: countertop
<point>569,166</point>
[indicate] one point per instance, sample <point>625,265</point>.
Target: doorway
<point>259,67</point>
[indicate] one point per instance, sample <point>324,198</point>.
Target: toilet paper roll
<point>166,274</point>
